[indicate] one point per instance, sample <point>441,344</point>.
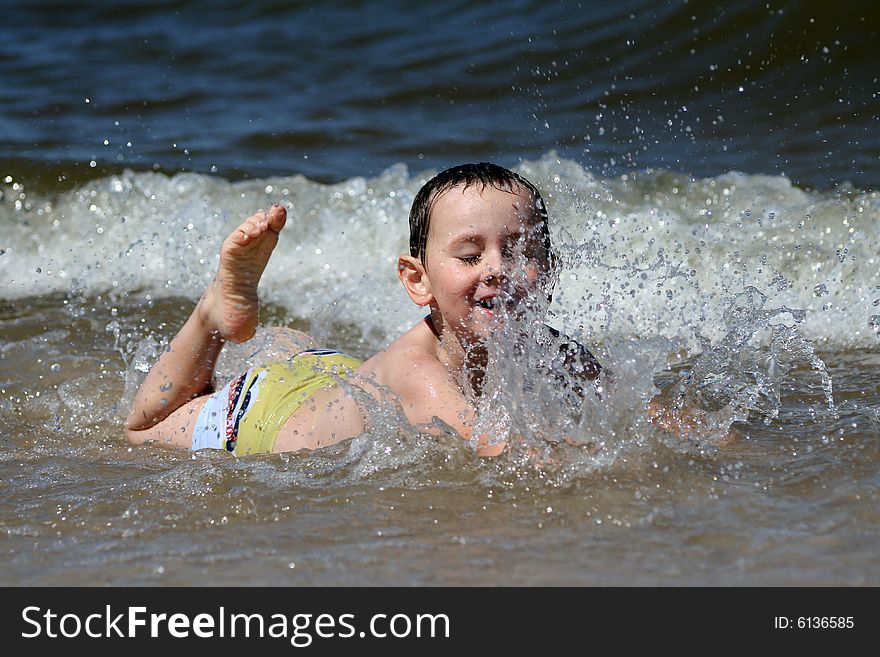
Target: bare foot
<point>230,305</point>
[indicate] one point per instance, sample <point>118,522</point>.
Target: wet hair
<point>483,174</point>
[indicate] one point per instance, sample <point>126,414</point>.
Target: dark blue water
<point>340,89</point>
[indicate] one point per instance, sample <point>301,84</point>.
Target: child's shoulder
<point>420,382</point>
<point>408,361</point>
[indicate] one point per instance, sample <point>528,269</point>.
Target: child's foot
<point>230,305</point>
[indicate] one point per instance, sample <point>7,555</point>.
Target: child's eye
<point>469,260</point>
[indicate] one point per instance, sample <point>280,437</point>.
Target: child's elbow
<point>492,450</point>
<point>134,437</point>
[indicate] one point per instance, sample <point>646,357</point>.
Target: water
<point>342,89</point>
<point>723,239</point>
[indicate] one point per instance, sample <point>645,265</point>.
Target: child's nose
<point>494,270</point>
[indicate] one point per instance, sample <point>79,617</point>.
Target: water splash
<point>561,409</point>
<point>734,378</point>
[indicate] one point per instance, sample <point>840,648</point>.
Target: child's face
<point>484,252</point>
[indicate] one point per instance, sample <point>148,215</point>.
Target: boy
<point>479,251</point>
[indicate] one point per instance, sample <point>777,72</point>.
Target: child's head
<point>479,246</point>
<point>468,175</point>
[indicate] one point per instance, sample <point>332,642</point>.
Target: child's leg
<point>165,407</point>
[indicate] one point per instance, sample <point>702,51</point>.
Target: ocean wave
<point>645,253</point>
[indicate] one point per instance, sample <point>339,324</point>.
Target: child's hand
<point>675,409</point>
<point>667,412</point>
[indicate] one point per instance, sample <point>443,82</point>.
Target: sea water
<point>710,177</point>
<point>769,325</point>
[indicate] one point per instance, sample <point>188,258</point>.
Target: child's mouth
<point>497,303</point>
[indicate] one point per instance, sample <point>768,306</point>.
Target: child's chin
<point>486,322</point>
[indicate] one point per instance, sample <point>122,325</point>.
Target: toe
<point>251,227</point>
<point>237,237</point>
<point>276,217</point>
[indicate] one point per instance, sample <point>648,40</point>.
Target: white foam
<point>650,253</point>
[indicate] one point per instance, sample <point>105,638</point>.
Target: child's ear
<point>415,280</point>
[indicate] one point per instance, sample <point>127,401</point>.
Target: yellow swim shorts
<point>244,416</point>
